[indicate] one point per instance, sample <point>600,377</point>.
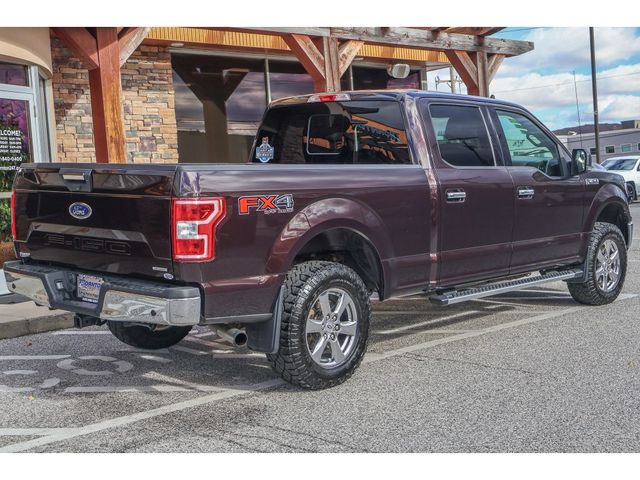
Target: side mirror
<point>579,161</point>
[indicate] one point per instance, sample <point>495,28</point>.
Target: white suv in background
<point>629,167</point>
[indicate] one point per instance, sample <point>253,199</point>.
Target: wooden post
<point>106,99</point>
<point>102,54</point>
<point>473,68</point>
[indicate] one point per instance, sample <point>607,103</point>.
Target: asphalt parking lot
<point>526,371</point>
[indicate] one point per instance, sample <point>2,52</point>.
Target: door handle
<point>456,195</point>
<point>526,192</point>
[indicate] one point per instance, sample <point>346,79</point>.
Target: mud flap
<point>265,336</point>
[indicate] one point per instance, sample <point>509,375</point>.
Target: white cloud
<point>543,81</point>
<point>568,48</point>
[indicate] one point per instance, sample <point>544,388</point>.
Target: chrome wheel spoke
<point>313,326</point>
<point>348,328</point>
<point>344,302</point>
<point>325,304</point>
<point>319,349</point>
<point>336,351</point>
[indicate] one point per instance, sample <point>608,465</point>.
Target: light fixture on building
<point>177,44</point>
<point>398,70</point>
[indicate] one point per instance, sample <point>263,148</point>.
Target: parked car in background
<point>629,167</point>
<point>396,193</point>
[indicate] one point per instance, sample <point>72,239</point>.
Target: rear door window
<point>351,132</point>
<point>462,135</point>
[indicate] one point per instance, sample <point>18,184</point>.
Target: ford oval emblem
<point>80,210</point>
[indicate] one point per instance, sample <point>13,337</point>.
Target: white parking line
<point>132,389</point>
<point>234,392</point>
<point>80,332</point>
<point>432,321</point>
<point>19,432</point>
<point>215,353</point>
<point>136,417</point>
<point>33,357</point>
<point>425,323</point>
<point>154,358</point>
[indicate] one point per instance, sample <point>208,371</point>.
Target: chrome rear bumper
<point>121,299</point>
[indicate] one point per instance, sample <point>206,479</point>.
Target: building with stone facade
<point>164,95</point>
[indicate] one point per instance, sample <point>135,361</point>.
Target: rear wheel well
<point>350,248</point>
<point>614,214</point>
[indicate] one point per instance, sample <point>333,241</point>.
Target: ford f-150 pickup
<point>345,196</point>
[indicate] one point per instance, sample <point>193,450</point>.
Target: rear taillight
<point>193,228</point>
<point>13,214</point>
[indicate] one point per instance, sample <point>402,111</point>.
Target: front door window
<point>528,145</point>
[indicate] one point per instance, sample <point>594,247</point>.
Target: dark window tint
<point>528,145</point>
<point>592,150</point>
<point>462,135</point>
<point>353,132</point>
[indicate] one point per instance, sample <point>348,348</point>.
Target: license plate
<point>89,288</point>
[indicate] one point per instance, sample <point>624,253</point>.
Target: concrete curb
<point>29,326</point>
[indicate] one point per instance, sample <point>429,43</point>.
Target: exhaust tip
<point>241,339</point>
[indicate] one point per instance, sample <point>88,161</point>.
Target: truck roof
<point>395,94</point>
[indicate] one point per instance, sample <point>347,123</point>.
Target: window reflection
<point>12,74</point>
<point>220,100</point>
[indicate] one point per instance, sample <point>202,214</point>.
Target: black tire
<point>631,192</point>
<point>303,286</point>
<point>142,337</point>
<point>589,292</point>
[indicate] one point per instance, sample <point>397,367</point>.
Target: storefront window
<point>12,74</point>
<point>14,133</point>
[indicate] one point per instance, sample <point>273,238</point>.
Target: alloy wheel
<point>331,329</point>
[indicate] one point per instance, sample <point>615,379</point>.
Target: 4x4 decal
<point>265,204</point>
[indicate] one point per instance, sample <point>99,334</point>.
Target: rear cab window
<point>346,132</point>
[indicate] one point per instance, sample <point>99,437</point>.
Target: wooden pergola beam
<point>347,52</point>
<point>494,64</point>
<point>129,39</point>
<point>324,59</point>
<point>427,39</point>
<point>308,54</point>
<point>433,38</point>
<point>81,42</point>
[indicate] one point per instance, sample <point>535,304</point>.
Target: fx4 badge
<point>266,204</point>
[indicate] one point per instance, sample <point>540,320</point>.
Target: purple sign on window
<point>14,134</point>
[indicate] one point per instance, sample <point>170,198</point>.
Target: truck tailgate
<point>113,218</point>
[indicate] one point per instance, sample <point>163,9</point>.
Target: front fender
<point>608,194</point>
<point>323,215</point>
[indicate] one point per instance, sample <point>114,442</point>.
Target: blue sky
<point>542,80</point>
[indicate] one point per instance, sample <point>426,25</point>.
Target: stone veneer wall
<point>148,102</point>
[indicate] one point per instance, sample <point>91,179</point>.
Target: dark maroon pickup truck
<point>346,195</point>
